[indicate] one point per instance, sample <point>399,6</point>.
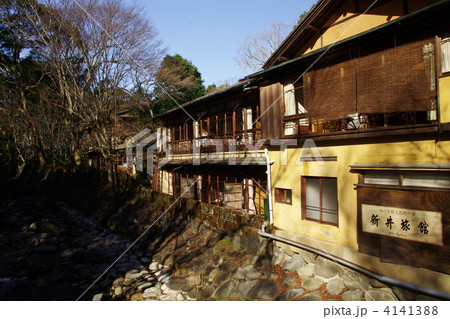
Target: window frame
<point>288,194</point>
<point>406,179</point>
<point>321,210</point>
<point>297,116</point>
<point>445,56</point>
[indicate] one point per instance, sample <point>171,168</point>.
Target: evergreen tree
<point>178,82</point>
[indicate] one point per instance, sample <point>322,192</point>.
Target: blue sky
<point>209,33</point>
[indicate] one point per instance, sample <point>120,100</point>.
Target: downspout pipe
<point>269,183</point>
<point>388,280</point>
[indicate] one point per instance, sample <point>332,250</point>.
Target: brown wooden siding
<point>400,79</point>
<point>272,106</point>
<point>401,251</point>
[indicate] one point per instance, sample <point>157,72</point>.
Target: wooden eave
<point>304,31</point>
<point>227,93</point>
<point>425,21</point>
<point>312,24</point>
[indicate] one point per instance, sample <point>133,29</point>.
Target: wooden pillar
<point>234,123</point>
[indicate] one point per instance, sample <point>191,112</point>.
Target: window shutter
<point>330,93</point>
<point>399,79</point>
<point>271,99</point>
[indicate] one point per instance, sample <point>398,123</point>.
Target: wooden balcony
<point>297,126</point>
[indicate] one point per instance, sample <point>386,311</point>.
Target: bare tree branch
<point>257,49</point>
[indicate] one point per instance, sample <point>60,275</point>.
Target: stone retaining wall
<point>217,257</point>
<point>220,218</point>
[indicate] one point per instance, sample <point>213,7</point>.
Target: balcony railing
<point>217,147</point>
<point>301,125</point>
<point>226,191</point>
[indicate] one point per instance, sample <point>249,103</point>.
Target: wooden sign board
<point>416,225</point>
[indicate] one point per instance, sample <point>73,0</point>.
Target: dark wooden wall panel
<point>272,107</point>
<point>401,251</point>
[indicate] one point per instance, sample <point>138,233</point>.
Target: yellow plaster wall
<point>288,217</point>
<point>444,99</point>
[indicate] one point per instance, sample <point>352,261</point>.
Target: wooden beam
<point>316,29</point>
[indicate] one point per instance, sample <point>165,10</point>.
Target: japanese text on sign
<point>417,225</point>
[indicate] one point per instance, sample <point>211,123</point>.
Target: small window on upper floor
<point>283,196</point>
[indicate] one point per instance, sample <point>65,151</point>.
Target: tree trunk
<point>78,156</point>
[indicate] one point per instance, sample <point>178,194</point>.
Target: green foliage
<point>21,76</point>
<point>64,83</point>
<point>178,82</point>
<point>65,86</point>
<point>304,15</point>
<point>213,88</point>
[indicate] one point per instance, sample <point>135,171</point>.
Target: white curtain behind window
<point>289,100</point>
<point>196,129</point>
<point>289,108</point>
<point>445,55</point>
<point>247,122</point>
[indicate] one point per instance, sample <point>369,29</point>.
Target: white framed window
<point>427,179</point>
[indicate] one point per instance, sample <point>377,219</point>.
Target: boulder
<point>236,242</point>
<point>307,256</point>
<point>376,283</point>
<point>379,295</point>
<point>403,294</point>
<point>325,268</point>
<point>312,296</point>
<point>269,274</point>
<point>253,244</point>
<point>178,284</point>
<point>294,263</point>
<point>245,287</point>
<point>264,289</point>
<point>335,286</point>
<point>137,296</point>
<point>252,273</point>
<point>354,280</point>
<point>306,271</point>
<point>235,296</point>
<point>97,297</point>
<point>239,273</point>
<point>279,257</point>
<point>224,291</point>
<point>221,278</point>
<point>206,292</point>
<point>290,294</point>
<point>290,282</point>
<point>312,283</point>
<point>228,266</point>
<point>352,295</point>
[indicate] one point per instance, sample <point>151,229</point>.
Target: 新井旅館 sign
<point>415,225</point>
